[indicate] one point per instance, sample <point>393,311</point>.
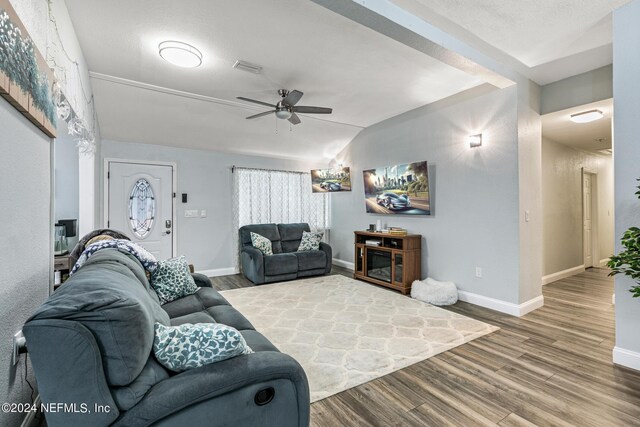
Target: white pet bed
<point>434,292</point>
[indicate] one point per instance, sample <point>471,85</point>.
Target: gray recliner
<point>91,344</point>
<point>285,263</point>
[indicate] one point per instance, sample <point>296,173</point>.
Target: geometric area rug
<point>346,332</point>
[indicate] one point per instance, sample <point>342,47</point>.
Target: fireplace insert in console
<point>379,265</point>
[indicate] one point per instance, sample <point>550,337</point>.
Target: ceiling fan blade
<point>312,110</point>
<point>261,114</point>
<point>293,97</point>
<point>294,119</point>
<point>255,102</point>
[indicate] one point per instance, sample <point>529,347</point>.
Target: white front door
<point>140,204</point>
<point>587,219</point>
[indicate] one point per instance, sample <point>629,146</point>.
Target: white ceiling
<point>363,75</point>
<point>539,34</point>
<point>593,136</point>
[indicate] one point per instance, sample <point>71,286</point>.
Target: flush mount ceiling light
<point>586,116</point>
<point>180,54</point>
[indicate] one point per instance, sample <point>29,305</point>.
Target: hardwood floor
<point>551,367</point>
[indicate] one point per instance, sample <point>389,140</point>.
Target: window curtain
<point>269,196</point>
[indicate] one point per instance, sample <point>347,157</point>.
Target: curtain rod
<point>234,167</point>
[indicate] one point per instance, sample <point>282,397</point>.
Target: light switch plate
<point>191,213</point>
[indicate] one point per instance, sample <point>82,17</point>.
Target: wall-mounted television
<point>330,180</point>
<point>398,189</point>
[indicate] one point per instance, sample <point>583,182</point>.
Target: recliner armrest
<point>326,248</point>
<point>255,254</point>
<point>184,391</point>
<point>201,280</point>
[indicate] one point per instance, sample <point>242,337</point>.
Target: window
<point>268,196</point>
<point>142,208</point>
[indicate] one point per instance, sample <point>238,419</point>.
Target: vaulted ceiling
<point>362,74</point>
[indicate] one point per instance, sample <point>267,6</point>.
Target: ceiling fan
<point>286,108</point>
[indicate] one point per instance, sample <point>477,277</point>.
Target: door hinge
<point>174,195</point>
<point>108,175</point>
<point>108,223</point>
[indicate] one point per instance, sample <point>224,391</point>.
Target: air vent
<point>247,66</point>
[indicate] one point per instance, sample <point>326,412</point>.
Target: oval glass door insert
<point>142,208</point>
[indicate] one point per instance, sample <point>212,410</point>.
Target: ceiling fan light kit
<point>180,54</point>
<point>286,108</point>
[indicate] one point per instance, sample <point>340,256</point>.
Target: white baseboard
<point>345,264</point>
<point>626,358</point>
<point>603,262</point>
<point>562,274</point>
<point>502,306</point>
<point>219,272</point>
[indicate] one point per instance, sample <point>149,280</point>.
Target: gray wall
<point>206,177</point>
<point>626,102</point>
<point>585,88</point>
<point>474,192</point>
<point>562,205</point>
<point>25,263</point>
<point>66,199</point>
<point>529,197</point>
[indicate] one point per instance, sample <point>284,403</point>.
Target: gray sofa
<point>91,342</point>
<point>285,263</point>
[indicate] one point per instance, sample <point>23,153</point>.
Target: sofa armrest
<point>227,391</point>
<point>201,280</point>
<point>252,262</point>
<point>69,371</point>
<point>326,248</point>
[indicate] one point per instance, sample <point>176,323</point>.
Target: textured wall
<point>626,104</point>
<point>25,251</point>
<point>474,191</point>
<point>562,205</point>
<point>206,177</point>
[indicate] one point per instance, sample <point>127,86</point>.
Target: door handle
<point>167,232</point>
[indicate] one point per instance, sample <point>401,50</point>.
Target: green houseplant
<point>627,262</point>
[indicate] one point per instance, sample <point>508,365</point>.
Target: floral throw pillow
<point>310,241</point>
<point>262,243</point>
<point>172,280</point>
<point>188,346</point>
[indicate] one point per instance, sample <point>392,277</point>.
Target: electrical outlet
<point>19,346</point>
<point>203,213</point>
<point>479,272</point>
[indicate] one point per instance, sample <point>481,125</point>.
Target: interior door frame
<point>174,189</point>
<point>595,256</point>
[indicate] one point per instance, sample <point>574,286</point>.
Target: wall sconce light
<point>475,140</point>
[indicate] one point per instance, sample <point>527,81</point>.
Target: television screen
<point>398,189</point>
<point>330,180</point>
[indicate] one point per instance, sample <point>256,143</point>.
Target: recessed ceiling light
<point>586,116</point>
<point>180,54</point>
